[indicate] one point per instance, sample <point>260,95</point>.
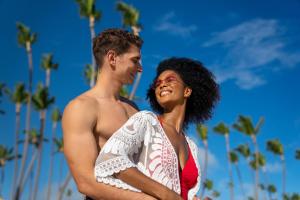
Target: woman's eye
<point>170,79</point>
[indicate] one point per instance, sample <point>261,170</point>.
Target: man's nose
<point>140,68</point>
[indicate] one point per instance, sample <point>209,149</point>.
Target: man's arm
<point>80,150</point>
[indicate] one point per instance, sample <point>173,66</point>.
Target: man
<point>91,118</point>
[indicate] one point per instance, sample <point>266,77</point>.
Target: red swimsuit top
<point>188,175</point>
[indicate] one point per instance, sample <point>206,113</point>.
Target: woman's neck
<point>174,117</point>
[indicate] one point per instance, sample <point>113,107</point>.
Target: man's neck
<point>107,86</point>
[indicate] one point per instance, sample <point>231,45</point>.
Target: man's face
<point>128,64</point>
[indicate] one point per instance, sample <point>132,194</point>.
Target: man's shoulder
<point>82,102</point>
<point>130,103</point>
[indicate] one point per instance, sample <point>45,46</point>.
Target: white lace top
<point>142,143</point>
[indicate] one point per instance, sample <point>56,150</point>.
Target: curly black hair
<point>205,90</point>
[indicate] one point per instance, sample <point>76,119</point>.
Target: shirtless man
<point>92,117</point>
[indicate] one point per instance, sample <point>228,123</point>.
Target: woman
<point>183,91</point>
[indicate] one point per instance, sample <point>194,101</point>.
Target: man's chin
<point>130,82</point>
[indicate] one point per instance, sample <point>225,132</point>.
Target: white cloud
<point>171,25</point>
<point>250,47</point>
<point>212,163</point>
<point>273,167</point>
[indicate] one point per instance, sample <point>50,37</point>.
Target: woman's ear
<point>111,55</point>
<point>187,92</point>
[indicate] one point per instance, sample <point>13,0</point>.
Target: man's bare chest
<point>110,119</point>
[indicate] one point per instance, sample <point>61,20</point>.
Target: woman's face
<point>170,90</point>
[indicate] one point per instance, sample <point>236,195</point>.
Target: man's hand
<point>171,195</point>
<point>198,198</point>
<point>137,179</point>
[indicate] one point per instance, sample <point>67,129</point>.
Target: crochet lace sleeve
<point>118,152</point>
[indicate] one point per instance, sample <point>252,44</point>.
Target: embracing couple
<point>115,151</point>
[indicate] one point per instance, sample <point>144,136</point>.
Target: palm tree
<point>222,129</point>
<point>208,184</point>
<point>130,18</point>
<point>271,190</point>
<point>88,73</point>
<point>276,148</point>
<point>60,149</point>
<point>6,154</point>
<point>215,194</point>
<point>202,133</point>
<point>124,92</point>
<point>258,161</point>
<point>2,87</point>
<point>245,125</point>
<point>297,154</point>
<point>18,97</point>
<point>47,64</point>
<point>64,185</point>
<point>244,150</point>
<point>235,159</point>
<point>293,196</point>
<point>56,117</point>
<point>41,102</point>
<point>59,145</point>
<point>26,39</point>
<point>35,140</point>
<point>87,9</point>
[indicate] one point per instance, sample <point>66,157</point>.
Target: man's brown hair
<point>118,40</point>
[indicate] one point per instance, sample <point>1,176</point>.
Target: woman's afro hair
<point>205,90</point>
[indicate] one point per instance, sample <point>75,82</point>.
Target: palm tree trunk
<point>40,153</point>
<point>28,119</point>
<point>283,173</point>
<point>92,30</point>
<point>256,195</point>
<point>2,180</point>
<point>64,186</point>
<point>240,180</point>
<point>229,166</point>
<point>252,172</point>
<point>54,125</point>
<point>16,149</point>
<point>266,181</point>
<point>135,31</point>
<point>205,167</point>
<point>28,171</point>
<point>48,73</point>
<point>30,185</point>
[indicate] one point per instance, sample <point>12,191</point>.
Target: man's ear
<point>187,92</point>
<point>111,55</point>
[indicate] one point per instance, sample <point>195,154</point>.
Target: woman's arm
<point>115,160</point>
<point>147,185</point>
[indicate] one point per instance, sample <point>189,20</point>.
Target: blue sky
<point>251,46</point>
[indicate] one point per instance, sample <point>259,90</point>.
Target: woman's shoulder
<point>144,113</point>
